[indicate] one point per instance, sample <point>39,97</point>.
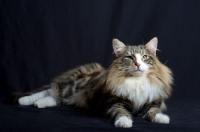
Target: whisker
<point>166,62</point>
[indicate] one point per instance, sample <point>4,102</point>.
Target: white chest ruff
<point>139,90</point>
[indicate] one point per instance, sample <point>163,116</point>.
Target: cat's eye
<point>145,57</point>
<point>129,57</point>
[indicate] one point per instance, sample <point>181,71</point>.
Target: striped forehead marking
<point>136,49</point>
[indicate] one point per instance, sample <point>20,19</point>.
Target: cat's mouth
<point>138,71</point>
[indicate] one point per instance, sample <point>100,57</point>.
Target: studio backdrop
<point>41,39</point>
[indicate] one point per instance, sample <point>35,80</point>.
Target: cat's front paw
<point>161,118</point>
<point>123,121</point>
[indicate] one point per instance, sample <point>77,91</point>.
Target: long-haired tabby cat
<point>136,84</point>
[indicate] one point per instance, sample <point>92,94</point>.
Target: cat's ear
<point>152,45</point>
<point>118,47</point>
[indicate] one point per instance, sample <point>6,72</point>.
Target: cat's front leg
<point>123,121</point>
<point>120,116</point>
<point>155,115</point>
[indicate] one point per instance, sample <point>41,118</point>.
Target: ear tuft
<point>152,45</point>
<point>118,47</point>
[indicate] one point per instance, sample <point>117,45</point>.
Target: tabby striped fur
<point>136,83</point>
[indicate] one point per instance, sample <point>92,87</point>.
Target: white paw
<point>124,122</point>
<point>161,118</point>
<point>45,102</point>
<point>25,101</point>
<point>39,104</point>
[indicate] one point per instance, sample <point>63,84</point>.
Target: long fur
<point>136,83</point>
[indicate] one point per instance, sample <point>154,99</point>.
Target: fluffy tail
<point>88,70</point>
<point>13,99</point>
<point>16,95</point>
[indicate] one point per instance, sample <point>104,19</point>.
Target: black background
<point>41,39</point>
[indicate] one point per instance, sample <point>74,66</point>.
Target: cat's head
<point>135,60</point>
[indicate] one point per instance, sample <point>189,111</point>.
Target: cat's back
<point>82,72</point>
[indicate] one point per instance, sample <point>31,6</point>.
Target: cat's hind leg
<point>47,101</point>
<point>29,100</point>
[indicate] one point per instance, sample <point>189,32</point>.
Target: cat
<point>136,84</point>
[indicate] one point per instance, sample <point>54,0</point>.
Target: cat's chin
<point>138,72</point>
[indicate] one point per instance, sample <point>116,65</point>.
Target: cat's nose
<point>138,64</point>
